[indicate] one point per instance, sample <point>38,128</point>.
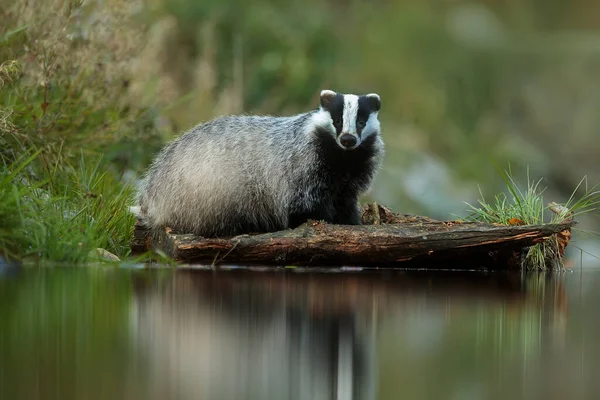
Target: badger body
<point>251,174</point>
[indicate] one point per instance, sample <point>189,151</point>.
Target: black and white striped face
<point>350,118</point>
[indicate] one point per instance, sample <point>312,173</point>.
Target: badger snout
<point>348,141</point>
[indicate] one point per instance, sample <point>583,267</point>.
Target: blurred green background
<point>466,85</point>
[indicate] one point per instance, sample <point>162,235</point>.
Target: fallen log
<point>384,240</point>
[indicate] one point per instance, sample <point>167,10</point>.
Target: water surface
<point>114,333</point>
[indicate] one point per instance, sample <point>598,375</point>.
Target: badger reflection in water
<point>215,336</point>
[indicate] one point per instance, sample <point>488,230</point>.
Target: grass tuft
<point>62,213</point>
<point>526,207</point>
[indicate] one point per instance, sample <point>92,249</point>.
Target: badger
<point>243,174</point>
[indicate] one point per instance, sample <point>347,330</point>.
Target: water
<point>114,333</point>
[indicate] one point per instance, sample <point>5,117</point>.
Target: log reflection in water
<point>245,335</point>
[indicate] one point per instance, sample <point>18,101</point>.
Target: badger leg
<point>344,211</point>
<point>347,212</point>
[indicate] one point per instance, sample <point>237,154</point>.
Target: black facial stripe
<point>336,109</point>
<point>365,108</point>
<point>361,121</point>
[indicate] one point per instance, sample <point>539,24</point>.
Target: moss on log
<point>384,240</point>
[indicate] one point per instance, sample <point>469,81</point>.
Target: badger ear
<point>375,101</point>
<point>327,97</point>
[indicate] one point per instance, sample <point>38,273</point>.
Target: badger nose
<point>348,140</point>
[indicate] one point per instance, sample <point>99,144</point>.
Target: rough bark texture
<point>385,240</point>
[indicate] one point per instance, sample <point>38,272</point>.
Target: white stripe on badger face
<point>350,114</point>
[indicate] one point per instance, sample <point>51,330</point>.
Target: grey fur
<point>248,174</point>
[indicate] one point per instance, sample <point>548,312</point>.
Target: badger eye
<point>361,123</point>
<point>337,121</point>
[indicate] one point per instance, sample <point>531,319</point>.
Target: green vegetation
<point>527,207</point>
<point>67,137</point>
<point>63,214</point>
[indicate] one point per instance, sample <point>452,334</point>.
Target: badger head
<point>348,117</point>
